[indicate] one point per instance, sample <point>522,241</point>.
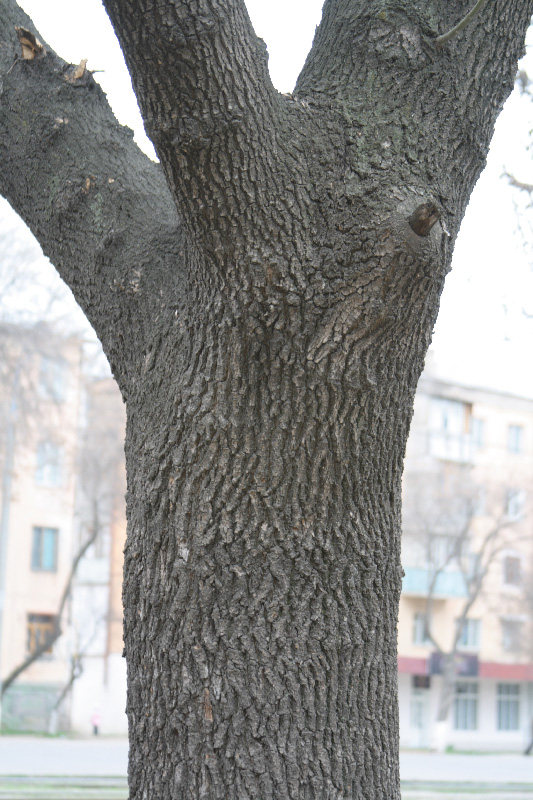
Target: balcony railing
<point>452,447</point>
<point>417,581</point>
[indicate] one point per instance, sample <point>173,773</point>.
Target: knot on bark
<point>423,218</point>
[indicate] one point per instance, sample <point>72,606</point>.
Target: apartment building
<point>468,560</point>
<point>465,659</point>
<point>465,628</point>
<point>99,691</point>
<point>62,533</point>
<point>40,393</point>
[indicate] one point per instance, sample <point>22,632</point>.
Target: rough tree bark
<point>265,298</point>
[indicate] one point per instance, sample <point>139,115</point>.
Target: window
<point>512,635</point>
<point>450,429</point>
<point>474,565</point>
<point>419,633</point>
<point>40,627</point>
<point>477,432</point>
<point>515,501</point>
<point>449,416</point>
<point>470,634</point>
<point>512,571</point>
<point>44,549</point>
<point>515,438</point>
<point>479,504</point>
<point>52,378</point>
<point>465,706</point>
<point>48,471</point>
<point>443,550</point>
<point>508,706</point>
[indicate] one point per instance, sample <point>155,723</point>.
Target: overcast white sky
<point>482,334</point>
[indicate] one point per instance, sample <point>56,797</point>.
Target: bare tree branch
<point>57,631</point>
<point>452,515</point>
<point>524,187</point>
<point>88,179</point>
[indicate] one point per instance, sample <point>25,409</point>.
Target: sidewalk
<point>33,768</point>
<point>72,788</point>
<point>32,756</point>
<point>502,769</point>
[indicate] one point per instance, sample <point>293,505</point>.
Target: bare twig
<point>524,187</point>
<point>76,669</point>
<point>440,40</point>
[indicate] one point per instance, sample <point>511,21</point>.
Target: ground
<point>33,768</point>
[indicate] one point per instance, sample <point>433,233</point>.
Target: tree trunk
<point>262,570</point>
<point>267,339</point>
<point>445,703</point>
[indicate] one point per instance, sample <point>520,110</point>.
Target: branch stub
<point>423,218</point>
<point>31,46</point>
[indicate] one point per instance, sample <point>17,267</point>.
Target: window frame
<point>512,638</point>
<point>49,465</point>
<point>53,378</point>
<point>515,503</point>
<point>419,618</point>
<point>508,706</point>
<point>465,706</point>
<point>470,636</point>
<point>477,432</point>
<point>40,548</point>
<point>515,439</point>
<point>38,625</point>
<point>449,429</point>
<point>512,570</point>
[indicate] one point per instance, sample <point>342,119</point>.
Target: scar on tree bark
<point>423,218</point>
<point>31,46</point>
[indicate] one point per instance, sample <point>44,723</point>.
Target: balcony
<point>417,580</point>
<point>452,447</point>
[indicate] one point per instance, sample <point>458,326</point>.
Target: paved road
<point>26,755</point>
<point>451,767</point>
<point>74,788</point>
<point>22,755</point>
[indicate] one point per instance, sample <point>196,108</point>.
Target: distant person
<point>96,719</point>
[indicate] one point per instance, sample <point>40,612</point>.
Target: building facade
<point>464,636</point>
<point>62,532</point>
<point>99,692</point>
<point>465,626</point>
<point>40,398</point>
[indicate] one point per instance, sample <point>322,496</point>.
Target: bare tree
<point>29,400</point>
<point>51,638</point>
<point>265,296</point>
<point>95,610</point>
<point>30,411</point>
<point>100,491</point>
<point>457,530</point>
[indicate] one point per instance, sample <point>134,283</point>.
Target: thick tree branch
<point>363,60</point>
<point>201,78</point>
<point>208,69</point>
<point>368,35</point>
<point>84,188</point>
